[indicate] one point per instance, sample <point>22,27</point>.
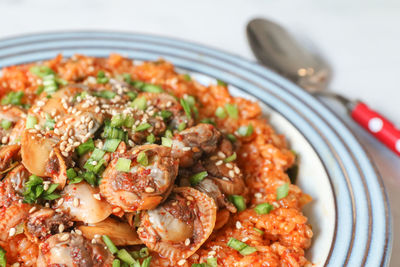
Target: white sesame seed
<point>12,232</point>
<point>225,179</point>
<point>97,236</point>
<point>97,196</point>
<point>149,190</point>
<point>76,202</point>
<point>238,225</point>
<point>181,262</point>
<point>116,210</point>
<point>245,239</point>
<point>58,210</point>
<point>78,232</point>
<point>187,242</point>
<point>186,148</point>
<point>231,173</point>
<point>61,228</point>
<point>219,162</point>
<point>64,237</point>
<point>229,165</point>
<point>237,170</point>
<point>45,186</point>
<point>60,202</point>
<point>214,157</point>
<point>32,209</point>
<point>93,241</point>
<point>258,195</point>
<point>16,264</point>
<point>212,253</point>
<point>4,140</point>
<point>221,154</point>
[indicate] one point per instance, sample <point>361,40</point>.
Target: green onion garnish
<point>181,126</point>
<point>151,138</point>
<point>50,122</point>
<point>31,121</point>
<point>41,71</point>
<point>165,114</point>
<point>198,177</point>
<point>111,145</point>
<point>123,165</point>
<point>111,247</point>
<point>208,121</point>
<point>232,110</point>
<point>107,94</point>
<point>190,100</point>
<point>261,232</point>
<point>144,252</point>
<point>3,259</point>
<point>85,147</point>
<point>231,138</point>
<point>90,177</point>
<point>132,95</point>
<point>146,262</point>
<point>168,134</point>
<point>5,124</point>
<point>116,263</point>
<point>230,158</point>
<point>151,88</point>
<point>39,90</point>
<point>129,121</point>
<point>221,83</point>
<point>143,159</point>
<point>241,247</point>
<point>34,190</point>
<point>238,201</point>
<point>124,255</point>
<point>220,113</point>
<point>187,77</point>
<point>263,208</point>
<point>245,131</point>
<point>186,108</point>
<point>117,120</point>
<point>13,98</point>
<point>97,154</point>
<point>101,77</point>
<point>212,262</point>
<point>166,142</point>
<point>139,103</point>
<point>71,173</point>
<point>282,191</point>
<point>142,127</point>
<point>113,133</point>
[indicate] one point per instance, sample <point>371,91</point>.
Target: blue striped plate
<point>349,214</point>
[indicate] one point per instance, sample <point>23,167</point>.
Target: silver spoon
<point>277,49</point>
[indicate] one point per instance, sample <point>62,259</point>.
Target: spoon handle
<point>377,125</point>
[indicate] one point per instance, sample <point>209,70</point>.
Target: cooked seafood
<point>107,163</point>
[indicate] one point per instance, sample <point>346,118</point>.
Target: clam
<point>121,233</point>
<point>8,155</point>
<point>144,185</point>
<point>179,226</point>
<point>83,203</point>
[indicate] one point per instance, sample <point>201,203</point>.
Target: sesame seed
<point>64,237</point>
<point>61,228</point>
<point>32,209</point>
<point>258,195</point>
<point>149,190</point>
<point>58,210</point>
<point>212,253</point>
<point>245,239</point>
<point>60,202</point>
<point>76,202</point>
<point>78,232</point>
<point>187,242</point>
<point>45,186</point>
<point>4,140</point>
<point>221,154</point>
<point>225,179</point>
<point>97,109</point>
<point>190,198</point>
<point>93,241</point>
<point>237,170</point>
<point>12,232</point>
<point>214,157</point>
<point>16,264</point>
<point>97,196</point>
<point>229,165</point>
<point>231,173</point>
<point>186,148</point>
<point>97,236</point>
<point>238,225</point>
<point>219,162</point>
<point>181,262</point>
<point>116,210</point>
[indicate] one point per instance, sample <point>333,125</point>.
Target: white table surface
<point>360,38</point>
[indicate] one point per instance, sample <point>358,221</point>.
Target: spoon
<point>277,49</point>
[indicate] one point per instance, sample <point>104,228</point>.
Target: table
<point>359,38</point>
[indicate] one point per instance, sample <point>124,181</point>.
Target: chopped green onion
<point>132,95</point>
<point>212,262</point>
<point>198,177</point>
<point>116,263</point>
<point>3,259</point>
<point>143,159</point>
<point>245,131</point>
<point>282,191</point>
<point>146,262</point>
<point>221,83</point>
<point>41,71</point>
<point>111,145</point>
<point>186,108</point>
<point>124,255</point>
<point>232,110</point>
<point>129,121</point>
<point>85,147</point>
<point>199,265</point>
<point>168,134</point>
<point>76,180</point>
<point>230,158</point>
<point>97,154</point>
<point>50,122</point>
<point>107,94</point>
<point>143,127</point>
<point>123,165</point>
<point>238,201</point>
<point>181,126</point>
<point>111,247</point>
<point>190,100</point>
<point>151,88</point>
<point>220,113</point>
<point>31,121</point>
<point>135,254</point>
<point>261,232</point>
<point>39,90</point>
<point>113,133</point>
<point>241,247</point>
<point>6,124</point>
<point>127,78</point>
<point>208,121</point>
<point>137,84</point>
<point>90,177</point>
<point>50,84</point>
<point>263,208</point>
<point>101,77</point>
<point>71,173</point>
<point>117,120</point>
<point>13,98</point>
<point>166,142</point>
<point>231,138</point>
<point>151,138</point>
<point>144,252</point>
<point>187,77</point>
<point>139,103</point>
<point>165,114</point>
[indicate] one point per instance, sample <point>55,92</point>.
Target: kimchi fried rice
<point>105,162</point>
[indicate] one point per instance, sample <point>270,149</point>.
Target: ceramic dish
<point>349,213</point>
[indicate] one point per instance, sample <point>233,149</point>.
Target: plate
<point>349,213</point>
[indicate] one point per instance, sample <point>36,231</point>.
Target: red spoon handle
<point>378,126</point>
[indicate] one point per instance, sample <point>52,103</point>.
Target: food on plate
<point>109,162</point>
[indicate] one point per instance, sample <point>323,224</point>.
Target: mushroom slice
<point>142,187</point>
<point>36,150</point>
<point>121,233</point>
<point>72,250</point>
<point>178,227</point>
<point>190,144</point>
<point>8,154</point>
<point>81,202</point>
